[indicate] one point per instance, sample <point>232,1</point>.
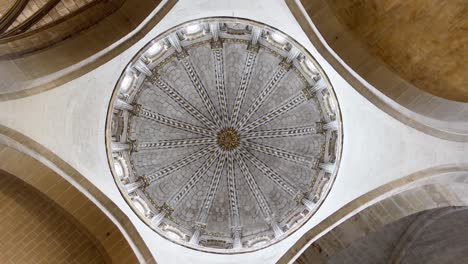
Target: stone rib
<point>244,84</point>
<point>277,152</point>
<point>282,109</point>
<point>170,122</point>
<point>254,188</point>
<point>218,55</point>
<point>200,88</point>
<point>281,132</point>
<point>269,88</point>
<point>232,191</point>
<point>166,170</point>
<point>208,201</point>
<point>175,143</point>
<point>174,201</point>
<point>275,177</point>
<point>182,102</point>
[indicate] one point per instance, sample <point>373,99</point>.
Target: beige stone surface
<point>432,236</point>
<point>35,230</point>
<point>71,200</point>
<point>386,32</point>
<point>425,42</point>
<point>5,5</point>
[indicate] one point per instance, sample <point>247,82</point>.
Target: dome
<point>224,135</point>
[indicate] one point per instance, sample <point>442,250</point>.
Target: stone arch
<point>421,42</point>
<point>384,213</point>
<point>43,170</point>
<point>375,79</point>
<point>422,222</point>
<point>79,42</point>
<point>436,187</point>
<point>35,229</point>
<point>399,241</point>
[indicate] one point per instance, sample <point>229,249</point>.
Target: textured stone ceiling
<point>433,236</point>
<point>224,135</point>
<point>424,42</point>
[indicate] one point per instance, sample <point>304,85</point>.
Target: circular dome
<point>224,135</point>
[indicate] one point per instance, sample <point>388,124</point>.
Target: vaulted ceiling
<point>424,42</point>
<point>70,32</point>
<point>433,236</point>
<point>34,229</point>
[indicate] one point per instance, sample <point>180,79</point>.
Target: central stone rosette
<point>228,138</point>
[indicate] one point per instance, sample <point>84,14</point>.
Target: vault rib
<point>244,84</point>
<point>281,132</point>
<point>194,179</point>
<point>254,188</point>
<point>275,177</point>
<point>268,89</point>
<point>218,56</point>
<point>232,192</point>
<point>278,152</point>
<point>208,201</point>
<point>168,169</point>
<point>164,120</point>
<point>175,143</point>
<point>280,110</point>
<point>181,101</point>
<point>200,88</point>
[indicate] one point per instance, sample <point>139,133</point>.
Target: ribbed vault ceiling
<point>225,135</point>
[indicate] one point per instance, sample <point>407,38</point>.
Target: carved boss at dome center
<point>228,139</point>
